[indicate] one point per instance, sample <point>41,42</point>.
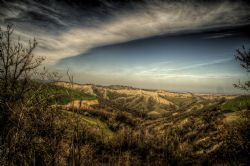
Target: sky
<point>154,44</point>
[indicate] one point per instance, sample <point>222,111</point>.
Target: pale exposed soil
<point>80,104</point>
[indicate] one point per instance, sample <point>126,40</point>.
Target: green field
<point>65,95</point>
<point>92,122</point>
<point>95,122</point>
<point>238,103</point>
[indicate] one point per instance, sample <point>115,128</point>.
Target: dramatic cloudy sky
<point>173,45</point>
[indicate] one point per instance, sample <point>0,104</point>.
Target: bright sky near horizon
<point>197,63</point>
<point>156,44</point>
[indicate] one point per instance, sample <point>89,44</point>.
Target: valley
<point>197,127</point>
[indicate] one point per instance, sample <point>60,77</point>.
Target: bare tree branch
<point>243,56</point>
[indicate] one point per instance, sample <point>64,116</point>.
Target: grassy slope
<point>65,95</point>
<point>97,123</point>
<point>101,126</point>
<point>236,104</point>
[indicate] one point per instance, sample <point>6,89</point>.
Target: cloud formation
<point>63,35</point>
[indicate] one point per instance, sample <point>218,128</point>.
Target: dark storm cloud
<point>70,27</point>
<point>56,12</point>
<point>31,13</point>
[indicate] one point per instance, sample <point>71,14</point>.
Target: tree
<point>17,68</point>
<point>17,64</point>
<point>26,115</point>
<point>243,56</point>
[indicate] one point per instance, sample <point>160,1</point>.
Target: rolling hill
<point>198,127</point>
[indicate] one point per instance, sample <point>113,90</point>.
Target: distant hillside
<point>154,103</point>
